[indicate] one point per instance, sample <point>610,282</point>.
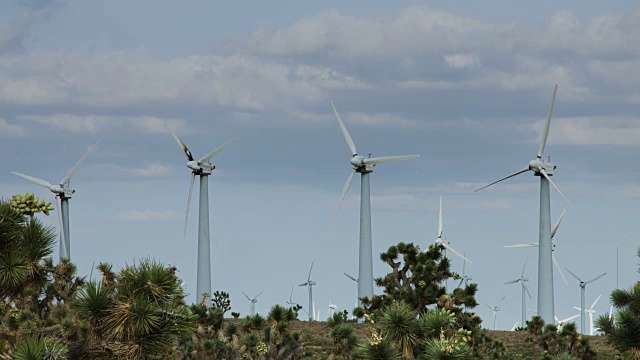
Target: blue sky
<point>465,85</point>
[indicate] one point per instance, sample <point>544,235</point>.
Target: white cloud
<point>461,61</point>
<point>7,129</point>
<point>151,170</point>
<point>146,215</point>
<point>360,118</point>
<point>93,124</point>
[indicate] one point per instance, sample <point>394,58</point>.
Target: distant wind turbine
<point>522,279</point>
<point>253,301</point>
<point>443,244</point>
<point>291,303</point>
<point>310,283</point>
<point>553,245</point>
<point>543,169</point>
<point>62,192</point>
<point>495,310</point>
<point>564,321</point>
<point>589,311</point>
<point>364,166</point>
<point>583,284</point>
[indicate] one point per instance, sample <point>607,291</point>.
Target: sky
<point>466,85</point>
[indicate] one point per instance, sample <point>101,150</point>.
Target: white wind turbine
<point>465,278</point>
<point>253,301</point>
<point>202,168</point>
<point>332,308</point>
<point>310,283</point>
<point>561,322</point>
<point>364,166</point>
<point>63,193</point>
<point>553,246</point>
<point>495,310</point>
<point>443,244</point>
<point>543,169</point>
<point>583,285</point>
<point>291,303</point>
<point>589,311</point>
<point>525,291</point>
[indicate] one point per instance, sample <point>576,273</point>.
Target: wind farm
<point>435,104</point>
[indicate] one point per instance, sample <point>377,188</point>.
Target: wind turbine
<point>495,310</point>
<point>553,246</point>
<point>202,168</point>
<point>564,321</point>
<point>364,166</point>
<point>522,281</point>
<point>291,303</point>
<point>332,308</point>
<point>443,244</point>
<point>310,284</point>
<point>63,193</point>
<point>583,284</point>
<point>253,301</point>
<point>544,169</point>
<point>590,311</point>
<point>465,278</point>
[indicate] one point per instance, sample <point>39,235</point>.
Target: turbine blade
<point>384,159</point>
<point>514,325</point>
<point>595,302</point>
<point>596,278</point>
<point>186,218</point>
<point>522,245</point>
<point>440,220</point>
<point>309,278</point>
<point>345,132</point>
<point>216,151</point>
<point>504,178</point>
<point>63,241</point>
<point>574,275</point>
<point>577,308</point>
<point>75,167</point>
<point>457,253</point>
<point>256,297</point>
<point>545,133</point>
<point>512,282</point>
<point>555,262</point>
<point>526,289</point>
<point>461,281</point>
<point>544,173</point>
<point>182,146</point>
<point>555,227</point>
<point>34,180</point>
<point>569,318</point>
<point>305,284</point>
<point>523,266</point>
<point>245,295</point>
<point>350,277</point>
<point>345,188</point>
<point>610,312</point>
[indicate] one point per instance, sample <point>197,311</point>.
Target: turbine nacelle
<point>204,168</point>
<point>538,165</point>
<point>357,161</point>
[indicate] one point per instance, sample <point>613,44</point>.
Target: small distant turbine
<point>465,278</point>
<point>291,303</point>
<point>310,283</point>
<point>495,310</point>
<point>525,291</point>
<point>564,321</point>
<point>253,301</point>
<point>583,284</point>
<point>589,311</point>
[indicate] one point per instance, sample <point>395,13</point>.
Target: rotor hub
<point>538,165</point>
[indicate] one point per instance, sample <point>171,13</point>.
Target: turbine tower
<point>63,193</point>
<point>525,292</point>
<point>364,166</point>
<point>553,245</point>
<point>310,284</point>
<point>202,168</point>
<point>253,301</point>
<point>583,285</point>
<point>291,303</point>
<point>443,244</point>
<point>543,169</point>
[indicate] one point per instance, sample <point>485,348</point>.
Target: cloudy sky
<point>466,85</point>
